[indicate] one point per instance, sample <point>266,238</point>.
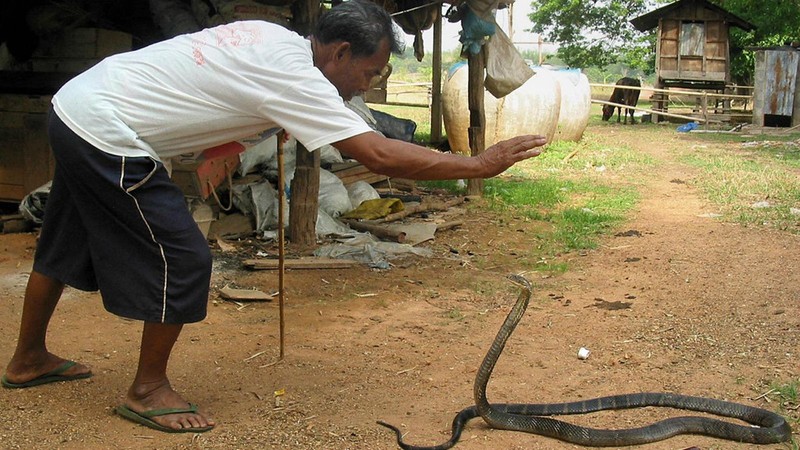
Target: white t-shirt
<point>205,89</point>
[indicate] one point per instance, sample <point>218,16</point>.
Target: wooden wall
<point>693,45</point>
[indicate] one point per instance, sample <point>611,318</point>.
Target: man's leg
<point>151,389</point>
<point>31,358</point>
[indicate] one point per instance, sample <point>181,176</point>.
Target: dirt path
<point>675,301</point>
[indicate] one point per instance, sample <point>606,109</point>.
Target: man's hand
<point>504,154</point>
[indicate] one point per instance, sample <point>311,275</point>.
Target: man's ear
<point>343,51</point>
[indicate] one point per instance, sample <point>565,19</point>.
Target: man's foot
<point>48,369</point>
<point>163,409</point>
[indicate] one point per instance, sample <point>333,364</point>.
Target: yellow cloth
<point>375,209</point>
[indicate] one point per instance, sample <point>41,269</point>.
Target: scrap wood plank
<point>250,295</point>
<point>349,174</point>
<point>301,263</point>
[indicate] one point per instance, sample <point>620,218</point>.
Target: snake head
<point>521,281</point>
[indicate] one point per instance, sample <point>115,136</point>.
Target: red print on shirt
<point>230,35</point>
<point>237,35</point>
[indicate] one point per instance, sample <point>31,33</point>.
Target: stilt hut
<point>692,46</point>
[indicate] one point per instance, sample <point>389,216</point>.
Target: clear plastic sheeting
<point>32,205</point>
<point>367,249</point>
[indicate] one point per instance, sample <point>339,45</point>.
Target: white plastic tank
<point>576,101</point>
<point>533,108</point>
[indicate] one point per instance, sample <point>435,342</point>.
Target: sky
<point>524,40</point>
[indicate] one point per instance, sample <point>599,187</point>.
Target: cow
<point>629,97</point>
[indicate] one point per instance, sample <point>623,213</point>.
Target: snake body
<point>768,427</point>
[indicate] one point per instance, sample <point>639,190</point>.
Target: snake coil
<point>769,427</point>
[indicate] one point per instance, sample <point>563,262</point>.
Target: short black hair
<point>362,23</point>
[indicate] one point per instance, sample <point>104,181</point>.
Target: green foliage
<point>406,67</point>
<point>590,33</point>
<point>776,24</point>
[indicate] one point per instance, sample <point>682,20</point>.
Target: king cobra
<point>768,427</point>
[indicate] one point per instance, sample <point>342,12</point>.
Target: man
<point>114,220</point>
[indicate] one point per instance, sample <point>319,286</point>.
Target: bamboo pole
<point>662,113</point>
<point>674,91</point>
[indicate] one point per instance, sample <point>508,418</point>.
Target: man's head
<point>352,44</point>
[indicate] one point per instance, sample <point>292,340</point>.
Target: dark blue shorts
<point>121,226</point>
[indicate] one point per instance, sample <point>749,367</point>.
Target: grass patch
<point>783,149</point>
<point>579,211</point>
<point>756,190</point>
<point>787,394</point>
<point>575,189</point>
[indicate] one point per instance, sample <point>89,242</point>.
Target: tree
<point>595,33</point>
<point>777,23</point>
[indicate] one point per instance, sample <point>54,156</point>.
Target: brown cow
<point>629,97</point>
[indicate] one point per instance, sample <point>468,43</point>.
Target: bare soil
<point>672,301</point>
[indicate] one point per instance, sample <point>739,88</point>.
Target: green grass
<point>761,188</point>
<point>787,393</point>
<point>579,212</point>
<point>578,191</point>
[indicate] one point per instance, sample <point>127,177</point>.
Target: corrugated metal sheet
<point>780,82</point>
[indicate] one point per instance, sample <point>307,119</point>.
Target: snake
<point>766,427</point>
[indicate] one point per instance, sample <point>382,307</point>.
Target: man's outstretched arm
<point>396,158</point>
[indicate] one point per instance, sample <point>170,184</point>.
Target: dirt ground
<point>673,301</point>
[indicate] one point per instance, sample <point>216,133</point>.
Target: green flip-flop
<point>49,377</point>
<point>146,418</point>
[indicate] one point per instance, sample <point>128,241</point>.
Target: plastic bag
<point>361,191</point>
<point>32,205</point>
<point>333,197</point>
<point>505,68</point>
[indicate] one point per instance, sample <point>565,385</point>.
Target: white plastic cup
<point>583,353</point>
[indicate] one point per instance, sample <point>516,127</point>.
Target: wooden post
<point>704,107</point>
<point>304,198</point>
<point>281,244</point>
<point>477,118</point>
<point>304,16</point>
<point>436,88</point>
<point>305,184</point>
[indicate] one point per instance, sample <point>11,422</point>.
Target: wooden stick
<point>449,225</point>
<point>300,263</point>
<point>281,246</point>
<point>422,207</point>
<point>378,230</point>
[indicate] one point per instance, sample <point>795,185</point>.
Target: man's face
<point>353,75</point>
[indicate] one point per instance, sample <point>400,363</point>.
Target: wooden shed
<point>776,101</point>
<point>692,46</point>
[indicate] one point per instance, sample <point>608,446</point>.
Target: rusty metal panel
<point>780,82</point>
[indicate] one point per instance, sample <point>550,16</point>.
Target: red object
<point>231,148</point>
<point>214,171</point>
